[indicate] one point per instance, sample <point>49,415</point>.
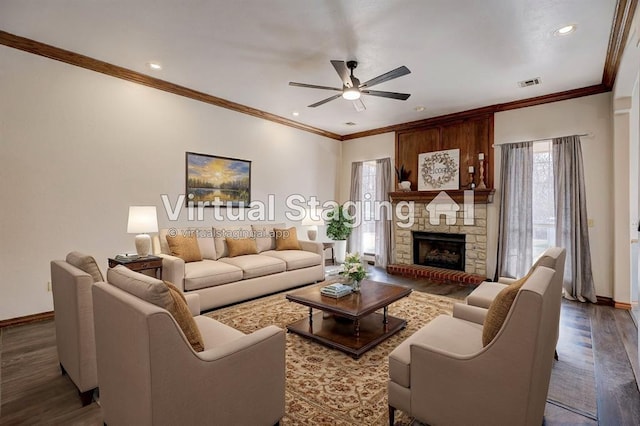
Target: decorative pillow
<point>221,234</point>
<point>85,263</point>
<point>185,247</point>
<point>179,310</point>
<point>240,246</point>
<point>499,309</point>
<point>265,236</point>
<point>287,239</point>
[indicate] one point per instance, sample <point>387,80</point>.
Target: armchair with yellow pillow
<point>230,264</point>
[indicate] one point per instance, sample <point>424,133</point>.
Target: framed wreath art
<point>439,170</point>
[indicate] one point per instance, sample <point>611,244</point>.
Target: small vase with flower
<point>353,270</point>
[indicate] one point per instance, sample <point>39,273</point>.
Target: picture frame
<point>439,170</point>
<point>216,181</point>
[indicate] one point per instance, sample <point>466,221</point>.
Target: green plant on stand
<point>339,226</point>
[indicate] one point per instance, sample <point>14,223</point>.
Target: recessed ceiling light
<point>419,108</point>
<point>154,66</point>
<point>566,30</point>
<point>295,113</point>
<point>350,123</point>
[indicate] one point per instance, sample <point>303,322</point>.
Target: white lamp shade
<point>313,219</point>
<point>142,219</point>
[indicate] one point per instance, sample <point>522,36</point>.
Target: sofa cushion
<point>287,239</point>
<point>220,235</point>
<point>295,259</point>
<point>256,265</point>
<point>499,310</point>
<point>241,246</point>
<point>185,246</point>
<point>179,310</point>
<point>85,263</point>
<point>142,286</point>
<point>209,273</point>
<point>265,236</point>
<point>444,333</point>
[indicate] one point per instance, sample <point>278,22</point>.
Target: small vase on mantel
<point>405,185</point>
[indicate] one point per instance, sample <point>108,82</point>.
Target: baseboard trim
<point>622,305</point>
<point>42,316</point>
<point>606,301</point>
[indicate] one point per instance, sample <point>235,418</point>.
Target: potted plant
<point>353,270</point>
<point>339,229</point>
<point>403,178</point>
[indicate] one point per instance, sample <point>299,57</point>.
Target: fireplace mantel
<point>481,196</point>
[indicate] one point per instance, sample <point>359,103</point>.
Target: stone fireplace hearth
<point>439,250</point>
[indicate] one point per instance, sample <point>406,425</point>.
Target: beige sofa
<point>149,374</point>
<point>221,280</point>
<point>443,375</point>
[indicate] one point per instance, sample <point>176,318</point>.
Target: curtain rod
<point>542,139</point>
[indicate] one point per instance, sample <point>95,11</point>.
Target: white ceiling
<point>463,54</point>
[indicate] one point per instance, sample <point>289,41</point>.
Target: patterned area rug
<point>325,386</point>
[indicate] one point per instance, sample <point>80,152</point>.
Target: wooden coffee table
<point>350,323</point>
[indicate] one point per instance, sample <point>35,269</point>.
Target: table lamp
<point>142,219</point>
<point>312,220</point>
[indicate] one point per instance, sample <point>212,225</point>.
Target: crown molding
<point>86,62</point>
<point>474,113</point>
<point>620,27</point>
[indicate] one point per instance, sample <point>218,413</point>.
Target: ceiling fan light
<point>351,94</point>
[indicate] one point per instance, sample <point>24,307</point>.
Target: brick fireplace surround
<point>475,242</point>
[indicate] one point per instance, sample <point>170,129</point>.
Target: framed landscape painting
<point>220,180</point>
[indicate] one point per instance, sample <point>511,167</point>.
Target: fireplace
<point>439,250</point>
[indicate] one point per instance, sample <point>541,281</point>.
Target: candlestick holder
<point>472,184</point>
<point>481,184</point>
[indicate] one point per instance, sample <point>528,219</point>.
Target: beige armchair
<point>73,309</point>
<point>149,373</point>
<point>443,375</point>
<point>553,257</point>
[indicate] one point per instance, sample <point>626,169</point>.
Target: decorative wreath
<point>430,162</point>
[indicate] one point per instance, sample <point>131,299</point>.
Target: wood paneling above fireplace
<point>472,136</point>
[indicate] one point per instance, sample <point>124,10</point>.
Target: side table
<point>140,264</point>
<point>330,245</point>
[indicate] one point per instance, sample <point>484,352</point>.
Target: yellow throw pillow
<point>287,239</point>
<point>499,309</point>
<point>181,313</point>
<point>240,246</point>
<point>185,247</point>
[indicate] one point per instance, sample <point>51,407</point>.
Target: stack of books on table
<point>335,290</point>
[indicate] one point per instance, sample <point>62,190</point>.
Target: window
<point>368,242</point>
<point>544,220</point>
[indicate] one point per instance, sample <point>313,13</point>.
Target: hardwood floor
<point>33,391</point>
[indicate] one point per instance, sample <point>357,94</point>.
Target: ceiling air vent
<point>530,82</point>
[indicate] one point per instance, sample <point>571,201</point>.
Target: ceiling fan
<point>352,88</point>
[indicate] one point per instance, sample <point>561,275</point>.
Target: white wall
<point>77,148</point>
<point>590,114</point>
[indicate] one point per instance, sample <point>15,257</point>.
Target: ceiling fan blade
<point>343,72</point>
<point>359,105</point>
<point>324,101</point>
<point>392,95</point>
<point>398,72</point>
<point>313,86</point>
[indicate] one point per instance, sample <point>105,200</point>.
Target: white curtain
<point>572,232</point>
<point>354,243</point>
<point>515,226</point>
<point>384,236</point>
